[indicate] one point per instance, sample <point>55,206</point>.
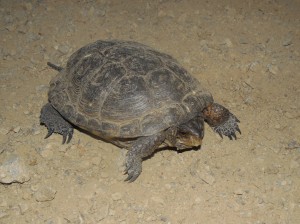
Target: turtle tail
<point>55,67</point>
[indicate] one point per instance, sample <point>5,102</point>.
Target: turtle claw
<point>234,136</point>
<point>238,129</point>
<point>70,135</point>
<point>67,136</point>
<point>64,139</point>
<point>133,167</point>
<point>219,132</point>
<point>50,132</point>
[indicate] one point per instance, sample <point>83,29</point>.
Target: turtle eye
<point>183,130</point>
<point>183,134</point>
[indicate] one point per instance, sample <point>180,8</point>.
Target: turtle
<point>134,97</point>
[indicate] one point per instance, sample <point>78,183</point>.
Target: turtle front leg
<point>141,148</point>
<point>56,123</point>
<point>221,120</point>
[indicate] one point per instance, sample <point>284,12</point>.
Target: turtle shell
<point>124,89</point>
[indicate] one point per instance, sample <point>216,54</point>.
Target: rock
<point>101,12</point>
<point>28,6</point>
<point>272,170</point>
<point>4,131</point>
<point>17,129</point>
<point>42,88</point>
<point>45,193</point>
<point>13,170</point>
<point>3,214</point>
<point>227,42</point>
<point>64,49</point>
<point>254,67</point>
<point>198,200</point>
<point>243,40</point>
<point>277,126</point>
<point>158,200</point>
<point>291,115</point>
<point>238,191</point>
<point>116,196</point>
<point>293,145</point>
<point>273,69</point>
<point>23,208</point>
<point>287,41</point>
<point>246,214</point>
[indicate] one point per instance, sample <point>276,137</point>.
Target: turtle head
<point>190,134</point>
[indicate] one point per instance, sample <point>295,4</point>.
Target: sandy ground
<point>247,53</point>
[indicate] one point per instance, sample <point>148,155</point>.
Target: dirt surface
<point>247,53</point>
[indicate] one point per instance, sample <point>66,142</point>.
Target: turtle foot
<point>55,123</point>
<point>228,128</point>
<point>133,167</point>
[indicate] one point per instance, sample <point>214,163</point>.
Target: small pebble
<point>227,42</point>
<point>34,187</point>
<point>116,196</point>
<point>198,200</point>
<point>287,41</point>
<point>273,69</point>
<point>44,194</point>
<point>239,191</point>
<point>3,214</point>
<point>23,208</point>
<point>293,145</point>
<point>64,49</point>
<point>246,214</point>
<point>158,200</point>
<point>277,126</point>
<point>42,88</point>
<point>4,131</point>
<point>17,129</point>
<point>28,6</point>
<point>283,183</point>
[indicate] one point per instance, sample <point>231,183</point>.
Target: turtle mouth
<point>188,142</point>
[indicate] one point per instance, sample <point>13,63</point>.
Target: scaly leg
<point>141,148</point>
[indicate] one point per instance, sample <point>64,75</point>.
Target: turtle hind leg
<point>221,120</point>
<point>56,123</point>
